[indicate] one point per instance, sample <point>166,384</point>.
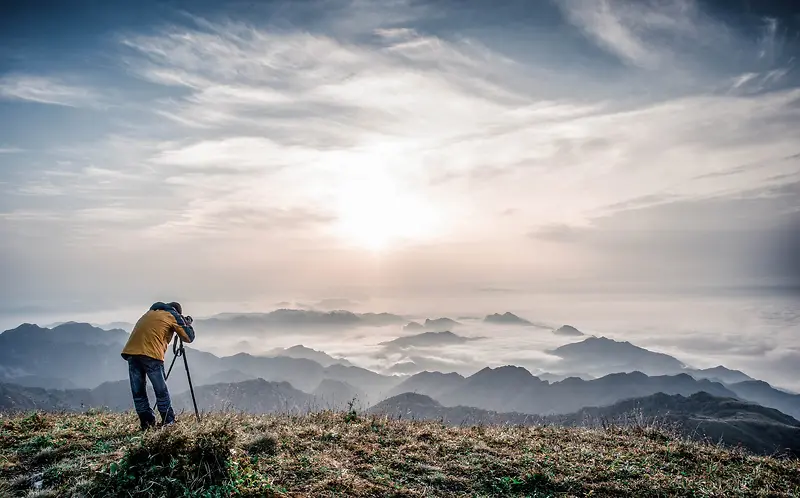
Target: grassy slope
<point>339,454</point>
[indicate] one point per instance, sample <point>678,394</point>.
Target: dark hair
<point>177,307</point>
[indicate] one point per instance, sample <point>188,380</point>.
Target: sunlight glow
<point>375,213</point>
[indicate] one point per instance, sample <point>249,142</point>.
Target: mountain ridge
<point>56,358</point>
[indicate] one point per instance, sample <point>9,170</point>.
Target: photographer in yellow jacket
<point>145,352</point>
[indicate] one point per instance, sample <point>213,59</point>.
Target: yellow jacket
<point>153,332</point>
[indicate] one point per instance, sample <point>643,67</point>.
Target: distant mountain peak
<point>297,348</point>
<point>27,326</point>
<point>429,338</point>
<point>608,355</point>
<point>419,399</point>
<point>68,332</point>
<point>429,374</point>
<point>506,318</point>
<point>241,355</point>
<point>407,401</point>
<point>604,340</point>
<point>568,330</point>
<point>720,373</point>
<point>636,375</point>
<point>509,373</point>
<point>440,324</point>
<point>442,333</point>
<point>299,351</point>
<point>606,343</point>
<point>82,327</point>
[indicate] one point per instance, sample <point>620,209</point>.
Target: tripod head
<point>177,347</point>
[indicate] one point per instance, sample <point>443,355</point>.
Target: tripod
<point>178,350</point>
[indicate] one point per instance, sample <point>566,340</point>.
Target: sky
<point>241,153</point>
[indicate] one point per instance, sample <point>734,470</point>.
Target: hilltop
<point>327,453</point>
<point>728,422</point>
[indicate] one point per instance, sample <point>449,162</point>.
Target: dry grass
<point>341,454</point>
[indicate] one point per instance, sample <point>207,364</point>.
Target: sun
<point>375,214</point>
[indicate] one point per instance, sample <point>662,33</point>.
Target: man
<point>145,351</point>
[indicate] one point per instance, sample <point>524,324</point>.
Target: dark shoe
<point>147,420</point>
<point>167,418</point>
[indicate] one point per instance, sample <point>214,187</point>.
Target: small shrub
<point>173,462</point>
<point>531,485</point>
<point>34,422</point>
<point>351,415</point>
<point>46,455</point>
<point>331,436</point>
<point>35,444</point>
<point>265,444</point>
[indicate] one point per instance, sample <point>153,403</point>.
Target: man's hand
<point>188,319</point>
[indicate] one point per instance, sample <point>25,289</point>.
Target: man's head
<point>177,307</point>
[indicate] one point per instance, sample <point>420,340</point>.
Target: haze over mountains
<point>299,351</point>
<point>283,319</point>
<point>76,365</point>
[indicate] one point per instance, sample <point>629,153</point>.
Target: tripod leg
<point>170,367</point>
<point>191,389</point>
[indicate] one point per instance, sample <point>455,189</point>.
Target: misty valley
<point>413,368</point>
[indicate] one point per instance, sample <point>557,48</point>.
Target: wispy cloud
<point>274,81</point>
<point>238,220</point>
<point>602,22</point>
<point>761,81</point>
<point>255,153</point>
<point>672,36</point>
<point>31,215</point>
<point>10,150</point>
<point>46,90</point>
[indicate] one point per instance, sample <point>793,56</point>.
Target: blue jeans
<point>141,368</point>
